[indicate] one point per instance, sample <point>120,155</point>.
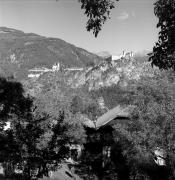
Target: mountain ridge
<point>77,69</point>
<point>21,51</point>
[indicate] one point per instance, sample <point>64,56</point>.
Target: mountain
<point>103,54</point>
<point>81,71</point>
<point>107,83</point>
<point>20,52</point>
<point>107,74</point>
<point>103,75</point>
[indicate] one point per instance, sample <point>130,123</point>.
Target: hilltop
<point>108,80</point>
<point>57,63</point>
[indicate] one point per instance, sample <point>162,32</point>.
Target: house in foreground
<point>100,149</point>
<point>101,130</point>
<point>103,149</point>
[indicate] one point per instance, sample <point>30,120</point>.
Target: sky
<point>132,26</point>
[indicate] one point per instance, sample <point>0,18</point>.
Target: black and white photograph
<point>87,89</point>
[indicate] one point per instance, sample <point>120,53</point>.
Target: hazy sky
<point>132,26</point>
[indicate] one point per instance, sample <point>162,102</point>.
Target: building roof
<point>115,114</point>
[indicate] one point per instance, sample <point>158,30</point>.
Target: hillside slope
<point>21,51</point>
<point>106,74</point>
<point>102,75</point>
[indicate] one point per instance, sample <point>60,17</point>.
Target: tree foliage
<point>98,12</point>
<point>152,123</point>
<point>41,128</point>
<point>163,54</point>
<point>113,95</point>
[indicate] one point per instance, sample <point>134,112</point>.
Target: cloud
<point>123,16</point>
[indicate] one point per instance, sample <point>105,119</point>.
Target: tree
<point>163,54</point>
<point>152,123</point>
<point>113,95</point>
<point>40,128</point>
<point>16,109</point>
<point>63,126</point>
<point>98,12</point>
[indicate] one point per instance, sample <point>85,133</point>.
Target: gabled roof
<point>117,113</point>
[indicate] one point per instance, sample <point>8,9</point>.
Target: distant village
<point>124,55</point>
<point>37,72</point>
